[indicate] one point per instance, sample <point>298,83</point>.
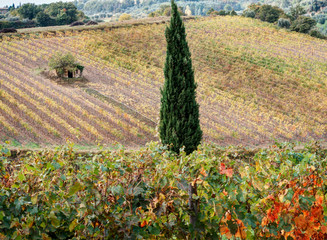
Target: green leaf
<point>43,225</point>
<point>250,234</point>
<point>306,202</point>
<point>5,152</point>
<point>138,191</point>
<point>56,165</point>
<point>250,220</point>
<point>21,177</point>
<point>31,168</point>
<point>54,221</point>
<point>63,177</point>
<point>195,197</point>
<point>289,194</point>
<point>273,229</point>
<point>232,227</point>
<point>75,188</point>
<point>34,199</point>
<point>117,189</point>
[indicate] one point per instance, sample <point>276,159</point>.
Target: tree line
<point>296,19</point>
<point>59,13</point>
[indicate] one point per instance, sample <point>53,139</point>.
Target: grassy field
<point>256,83</point>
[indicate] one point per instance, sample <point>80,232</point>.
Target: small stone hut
<point>65,65</point>
<point>71,71</point>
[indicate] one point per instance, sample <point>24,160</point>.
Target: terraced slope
<point>255,84</point>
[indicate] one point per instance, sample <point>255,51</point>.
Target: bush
<point>17,24</point>
<point>211,10</point>
<point>125,17</point>
<point>316,33</point>
<point>12,19</point>
<point>44,19</point>
<point>284,23</point>
<point>165,10</point>
<point>222,13</point>
<point>233,13</point>
<point>303,24</point>
<point>63,19</point>
<point>8,30</point>
<point>269,13</point>
<point>296,11</point>
<point>77,23</point>
<point>249,13</point>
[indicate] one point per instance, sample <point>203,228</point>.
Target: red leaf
<point>228,172</point>
<point>144,223</point>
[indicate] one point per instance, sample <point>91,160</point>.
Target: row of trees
<point>59,13</point>
<point>143,8</point>
<point>165,10</point>
<point>293,20</point>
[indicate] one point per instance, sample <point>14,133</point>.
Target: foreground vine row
<point>273,193</point>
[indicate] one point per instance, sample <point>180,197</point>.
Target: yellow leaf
<point>34,199</point>
<point>73,225</point>
<point>45,237</point>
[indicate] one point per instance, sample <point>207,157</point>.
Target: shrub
<point>233,13</point>
<point>8,30</point>
<point>222,13</point>
<point>12,19</point>
<point>17,24</point>
<point>211,10</point>
<point>125,17</point>
<point>165,10</point>
<point>296,11</point>
<point>303,24</point>
<point>76,23</point>
<point>284,23</point>
<point>316,33</point>
<point>249,13</point>
<point>269,13</point>
<point>44,19</point>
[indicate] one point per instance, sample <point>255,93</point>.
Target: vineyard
<point>256,83</point>
<point>274,193</point>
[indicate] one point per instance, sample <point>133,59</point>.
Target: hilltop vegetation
<point>256,83</point>
<point>144,7</point>
<point>31,15</point>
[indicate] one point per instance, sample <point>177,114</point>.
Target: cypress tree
<point>179,112</point>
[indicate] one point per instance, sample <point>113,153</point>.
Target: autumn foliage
<point>273,193</point>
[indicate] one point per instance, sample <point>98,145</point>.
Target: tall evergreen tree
<point>179,112</point>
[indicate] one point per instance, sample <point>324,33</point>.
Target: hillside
<point>255,84</point>
<point>141,8</point>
